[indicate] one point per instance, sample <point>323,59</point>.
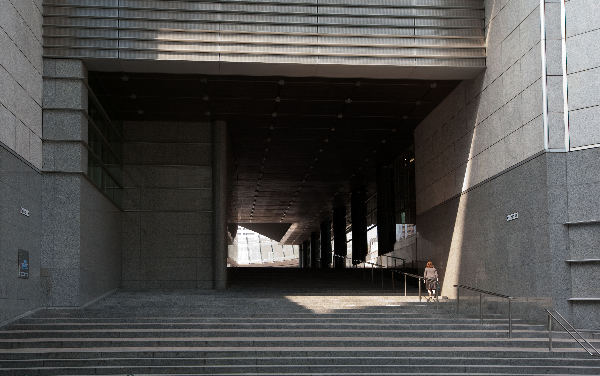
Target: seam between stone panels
<point>38,8</point>
<point>584,70</point>
<point>583,108</point>
<point>13,77</point>
<point>488,180</point>
<point>481,152</point>
<point>477,125</point>
<point>23,18</point>
<point>14,153</point>
<point>583,33</point>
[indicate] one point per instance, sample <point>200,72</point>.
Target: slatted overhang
<point>444,38</point>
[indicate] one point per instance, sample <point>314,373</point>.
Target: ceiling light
<point>207,113</point>
<point>124,78</point>
<point>433,85</point>
<point>271,127</point>
<point>340,116</point>
<point>405,117</point>
<point>326,140</point>
<point>418,103</point>
<point>277,99</point>
<point>348,100</point>
<point>281,82</point>
<point>274,114</point>
<point>332,129</point>
<point>205,98</point>
<point>140,112</point>
<point>357,83</point>
<point>383,141</point>
<point>133,96</point>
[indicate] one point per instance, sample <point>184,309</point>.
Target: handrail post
<point>509,320</point>
<point>372,276</point>
<point>481,309</point>
<point>393,282</point>
<point>404,284</point>
<point>382,277</point>
<point>457,298</point>
<point>419,289</point>
<point>549,332</point>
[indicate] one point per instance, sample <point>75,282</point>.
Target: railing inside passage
<point>481,293</point>
<point>574,333</point>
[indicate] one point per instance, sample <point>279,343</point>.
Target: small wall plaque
<point>23,264</point>
<point>25,212</point>
<point>512,217</point>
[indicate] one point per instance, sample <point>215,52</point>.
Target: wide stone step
<point>292,325</point>
<point>337,341</point>
<point>398,319</point>
<point>363,369</point>
<point>480,332</point>
<point>296,361</point>
<point>284,352</point>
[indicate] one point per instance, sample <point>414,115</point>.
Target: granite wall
<point>501,144</point>
<point>21,78</point>
<point>168,209</point>
<point>20,153</point>
<point>81,248</point>
<point>20,188</point>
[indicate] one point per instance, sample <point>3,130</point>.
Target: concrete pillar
<point>339,236</point>
<point>326,244</point>
<point>358,207</point>
<point>75,268</point>
<point>220,190</point>
<point>314,250</point>
<point>306,252</point>
<point>386,209</point>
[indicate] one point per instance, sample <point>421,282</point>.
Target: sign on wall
<point>23,264</point>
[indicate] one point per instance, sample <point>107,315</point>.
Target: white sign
<point>25,212</point>
<point>512,217</point>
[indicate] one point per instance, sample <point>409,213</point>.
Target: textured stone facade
<point>167,220</point>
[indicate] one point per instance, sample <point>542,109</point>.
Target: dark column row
<point>318,253</point>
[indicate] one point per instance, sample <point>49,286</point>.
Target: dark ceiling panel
<point>297,142</point>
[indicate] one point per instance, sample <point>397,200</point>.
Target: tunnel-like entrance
<point>299,147</point>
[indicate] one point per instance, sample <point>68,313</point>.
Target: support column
<point>306,252</point>
<point>339,236</point>
<point>314,250</point>
<point>220,190</point>
<point>326,244</point>
<point>359,226</point>
<point>386,210</point>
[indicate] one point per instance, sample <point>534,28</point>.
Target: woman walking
<point>431,278</point>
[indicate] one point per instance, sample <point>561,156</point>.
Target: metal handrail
<point>481,293</point>
<point>484,291</point>
<point>572,330</point>
<point>413,276</point>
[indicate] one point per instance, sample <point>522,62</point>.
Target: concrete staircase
<point>280,322</point>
